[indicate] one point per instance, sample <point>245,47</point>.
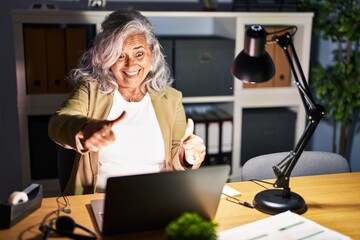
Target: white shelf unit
<point>227,24</point>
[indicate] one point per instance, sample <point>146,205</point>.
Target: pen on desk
<point>236,200</point>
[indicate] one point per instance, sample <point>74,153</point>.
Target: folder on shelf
<point>75,41</point>
<point>212,137</point>
<point>215,126</point>
<point>49,54</point>
<point>199,124</point>
<point>35,60</point>
<point>55,56</point>
<point>226,136</point>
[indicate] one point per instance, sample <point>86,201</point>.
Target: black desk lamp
<point>254,65</point>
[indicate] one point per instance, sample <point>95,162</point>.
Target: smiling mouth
<point>132,73</point>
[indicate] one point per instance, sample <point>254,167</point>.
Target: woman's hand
<point>193,145</point>
<point>96,135</point>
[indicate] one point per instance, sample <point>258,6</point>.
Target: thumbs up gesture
<point>96,135</point>
<point>193,145</point>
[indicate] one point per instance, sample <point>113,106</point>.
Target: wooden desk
<point>333,201</point>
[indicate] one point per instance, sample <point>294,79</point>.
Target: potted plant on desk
<point>190,226</point>
<point>337,86</point>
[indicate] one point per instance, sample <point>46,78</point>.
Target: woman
<point>122,116</point>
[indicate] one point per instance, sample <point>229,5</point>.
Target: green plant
<point>190,226</point>
<point>337,86</point>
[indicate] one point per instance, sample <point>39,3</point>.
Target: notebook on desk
<point>150,201</point>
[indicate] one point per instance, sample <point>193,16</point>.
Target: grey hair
<point>96,61</point>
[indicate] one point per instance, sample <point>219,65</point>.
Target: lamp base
<point>273,201</point>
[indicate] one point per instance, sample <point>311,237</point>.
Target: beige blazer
<point>86,103</point>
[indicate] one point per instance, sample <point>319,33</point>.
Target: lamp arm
<point>314,114</point>
<point>283,169</point>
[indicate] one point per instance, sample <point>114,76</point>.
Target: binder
<point>213,138</point>
<point>55,56</point>
<point>199,124</point>
<point>215,126</point>
<point>75,41</point>
<point>35,60</point>
<point>49,54</point>
<point>226,136</point>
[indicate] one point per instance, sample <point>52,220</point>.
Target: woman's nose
<point>129,61</point>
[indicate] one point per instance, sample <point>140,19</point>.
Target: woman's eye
<point>121,57</point>
<point>139,54</point>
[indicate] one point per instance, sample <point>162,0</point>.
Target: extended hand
<point>96,135</point>
<point>193,145</point>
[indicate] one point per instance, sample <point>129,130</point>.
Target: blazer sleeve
<point>177,151</point>
<point>68,120</point>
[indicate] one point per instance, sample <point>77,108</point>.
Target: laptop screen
<point>150,201</point>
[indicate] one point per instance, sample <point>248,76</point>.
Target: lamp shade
<point>254,64</point>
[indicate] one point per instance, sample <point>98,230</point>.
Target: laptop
<point>151,201</point>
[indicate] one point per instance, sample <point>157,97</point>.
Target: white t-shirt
<point>139,146</point>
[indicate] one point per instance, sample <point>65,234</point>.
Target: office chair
<point>309,163</point>
<point>65,162</point>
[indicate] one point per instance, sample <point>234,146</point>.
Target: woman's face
<point>134,62</point>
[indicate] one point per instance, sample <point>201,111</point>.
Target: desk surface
<point>333,201</point>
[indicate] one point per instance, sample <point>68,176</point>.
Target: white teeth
<point>132,73</point>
